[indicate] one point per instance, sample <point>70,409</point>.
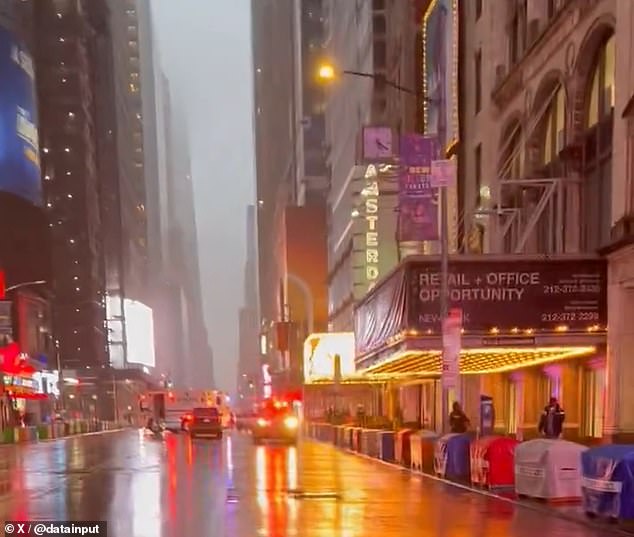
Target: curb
<point>93,433</point>
<point>518,503</point>
<point>46,440</point>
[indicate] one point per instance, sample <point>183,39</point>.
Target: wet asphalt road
<point>176,487</point>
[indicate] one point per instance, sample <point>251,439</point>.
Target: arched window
<point>553,140</point>
<point>597,159</point>
<point>512,162</point>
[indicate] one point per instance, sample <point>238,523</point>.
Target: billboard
<point>320,356</point>
<point>19,151</point>
<point>522,294</point>
<point>139,333</point>
<point>492,293</point>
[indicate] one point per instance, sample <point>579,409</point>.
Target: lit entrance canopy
<point>517,311</point>
<point>475,361</point>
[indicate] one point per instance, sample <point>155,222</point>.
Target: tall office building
<point>197,364</point>
<point>65,34</point>
<point>275,121</point>
<point>249,366</point>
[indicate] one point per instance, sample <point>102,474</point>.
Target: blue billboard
<point>19,152</point>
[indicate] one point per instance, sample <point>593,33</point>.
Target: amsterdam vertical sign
<point>371,238</point>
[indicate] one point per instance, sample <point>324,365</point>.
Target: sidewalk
<point>570,512</point>
<point>45,432</point>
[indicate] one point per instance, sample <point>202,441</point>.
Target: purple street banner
<point>418,199</point>
<point>418,218</point>
<point>417,154</point>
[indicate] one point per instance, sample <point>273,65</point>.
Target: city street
<point>148,488</point>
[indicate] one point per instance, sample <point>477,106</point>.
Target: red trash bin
<point>493,461</point>
<point>402,446</point>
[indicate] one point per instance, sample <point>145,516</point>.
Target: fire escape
<point>532,208</point>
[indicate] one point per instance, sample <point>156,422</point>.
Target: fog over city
<point>205,50</point>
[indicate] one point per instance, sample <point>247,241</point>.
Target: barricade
<point>549,470</point>
<point>44,432</point>
<point>370,442</point>
<point>386,446</point>
<point>347,437</point>
<point>356,439</point>
<point>451,457</point>
<point>422,450</point>
<point>58,430</point>
<point>340,435</point>
<point>402,447</point>
<point>25,434</point>
<point>608,482</point>
<point>492,461</point>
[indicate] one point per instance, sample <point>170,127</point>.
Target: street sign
<point>443,173</point>
<point>451,342</point>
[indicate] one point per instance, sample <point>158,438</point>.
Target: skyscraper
<point>65,35</point>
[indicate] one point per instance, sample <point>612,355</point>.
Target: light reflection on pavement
<point>178,487</point>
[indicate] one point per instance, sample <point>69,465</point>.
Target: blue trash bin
<point>608,481</point>
<point>386,446</point>
<point>452,457</point>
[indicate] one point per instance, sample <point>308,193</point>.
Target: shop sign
<point>371,194</point>
<point>508,294</point>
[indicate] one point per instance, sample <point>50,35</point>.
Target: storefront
<point>532,328</point>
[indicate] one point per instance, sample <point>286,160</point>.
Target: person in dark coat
<point>551,422</point>
<point>458,421</point>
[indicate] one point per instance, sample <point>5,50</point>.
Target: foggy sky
<point>205,48</point>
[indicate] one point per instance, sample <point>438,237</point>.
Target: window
<point>478,9</point>
<point>478,173</point>
<point>478,81</point>
<point>554,128</point>
<point>551,9</point>
<point>517,32</point>
<point>597,160</point>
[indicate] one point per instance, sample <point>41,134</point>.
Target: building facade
<point>381,39</point>
<point>546,153</point>
<point>65,35</point>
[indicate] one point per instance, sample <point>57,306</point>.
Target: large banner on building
<point>418,200</point>
<point>511,294</point>
<point>19,152</point>
<point>381,314</point>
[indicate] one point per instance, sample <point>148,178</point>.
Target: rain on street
<point>146,487</point>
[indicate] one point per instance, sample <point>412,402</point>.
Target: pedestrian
<point>458,421</point>
<point>551,422</point>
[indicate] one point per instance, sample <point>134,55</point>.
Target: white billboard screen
<point>139,333</point>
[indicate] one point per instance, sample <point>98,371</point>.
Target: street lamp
<point>327,73</point>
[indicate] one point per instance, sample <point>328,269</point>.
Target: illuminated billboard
<point>320,351</point>
<point>139,333</point>
<point>19,151</point>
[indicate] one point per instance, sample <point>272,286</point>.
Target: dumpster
<point>370,442</point>
<point>608,482</point>
<point>422,450</point>
<point>386,445</point>
<point>549,469</point>
<point>451,456</point>
<point>492,461</point>
<point>402,447</point>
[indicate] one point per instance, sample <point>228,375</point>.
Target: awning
<point>474,361</point>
